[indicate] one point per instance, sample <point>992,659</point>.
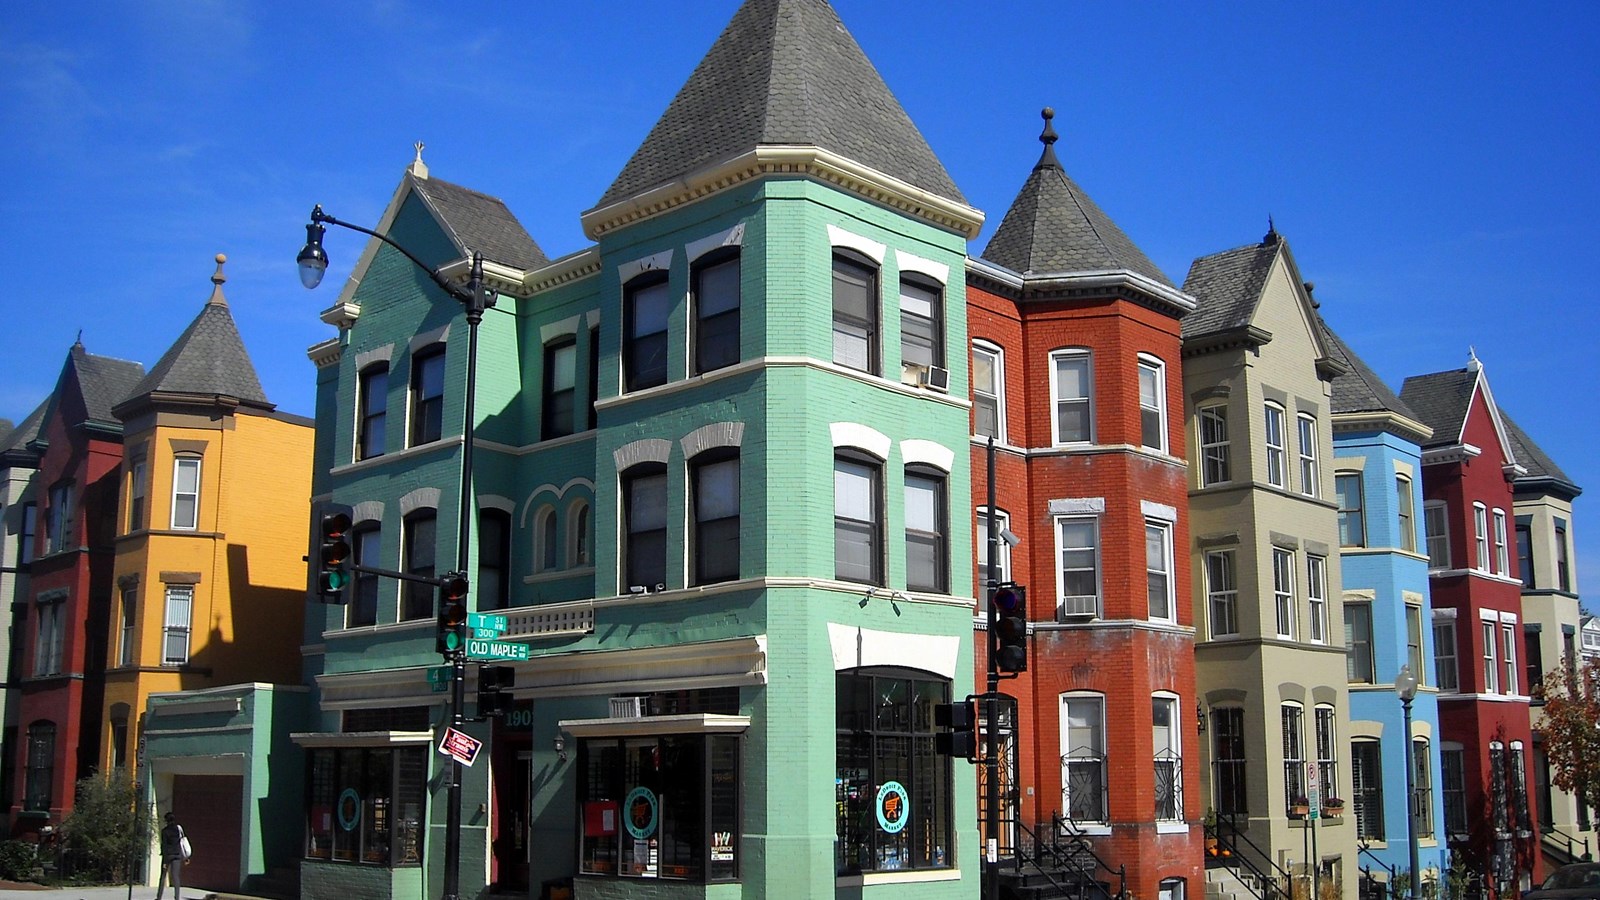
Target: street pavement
<point>115,892</point>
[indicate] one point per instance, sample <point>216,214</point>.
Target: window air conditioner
<point>627,707</point>
<point>936,378</point>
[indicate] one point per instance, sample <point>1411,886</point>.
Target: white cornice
<point>804,161</point>
<point>1382,420</point>
<point>1453,453</point>
<point>1084,283</point>
<point>325,354</point>
<point>572,267</point>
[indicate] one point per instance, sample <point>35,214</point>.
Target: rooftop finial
<point>418,168</point>
<point>217,278</point>
<point>1473,364</point>
<point>1272,236</point>
<point>79,341</point>
<point>1048,138</point>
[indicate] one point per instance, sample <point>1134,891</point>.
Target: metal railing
<point>1268,880</point>
<point>1067,851</point>
<point>1554,835</point>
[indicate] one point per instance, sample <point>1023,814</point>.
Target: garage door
<point>210,809</point>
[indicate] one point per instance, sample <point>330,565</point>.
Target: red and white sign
<point>460,745</point>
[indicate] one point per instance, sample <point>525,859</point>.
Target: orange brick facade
<point>1121,654</point>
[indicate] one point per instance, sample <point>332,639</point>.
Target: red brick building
<point>60,627</point>
<point>1076,376</point>
<point>1486,736</point>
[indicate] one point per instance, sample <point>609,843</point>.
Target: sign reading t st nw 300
<point>496,650</point>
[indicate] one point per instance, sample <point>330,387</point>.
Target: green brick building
<point>721,489</point>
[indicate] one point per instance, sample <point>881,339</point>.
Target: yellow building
<point>209,582</point>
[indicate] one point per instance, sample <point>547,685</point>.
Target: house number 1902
<point>520,717</point>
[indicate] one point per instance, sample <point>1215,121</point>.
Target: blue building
<point>1388,619</point>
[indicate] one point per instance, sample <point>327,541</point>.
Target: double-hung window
<point>715,481</point>
<point>1078,548</point>
<point>365,550</point>
<point>1327,751</point>
<point>857,520</point>
<point>1414,643</point>
<point>644,510</point>
<point>1453,787</point>
<point>1524,538</point>
<point>186,493</point>
<point>1508,648</point>
<point>988,391</point>
<point>175,633</point>
<point>494,560</point>
<point>1083,758</point>
<point>1422,787</point>
<point>1480,536</point>
<point>1307,427</point>
<point>647,303</point>
<point>1158,569</point>
<point>130,635</point>
<point>1294,754</point>
<point>1317,598</point>
<point>1366,772</point>
<point>1222,593</point>
<point>715,299</point>
<point>560,388</point>
<point>1437,531</point>
<point>926,511</point>
<point>419,550</point>
<point>1358,643</point>
<point>1403,503</point>
<point>1003,554</point>
<point>1071,393</point>
<point>58,518</point>
<point>427,395</point>
<point>50,636</point>
<point>1563,581</point>
<point>921,326</point>
<point>855,312</point>
<point>1491,658</point>
<point>1444,655</point>
<point>25,539</point>
<point>136,491</point>
<point>39,786</point>
<point>1502,562</point>
<point>1283,591</point>
<point>1275,445</point>
<point>1216,454</point>
<point>1152,403</point>
<point>1352,525</point>
<point>1229,785</point>
<point>372,399</point>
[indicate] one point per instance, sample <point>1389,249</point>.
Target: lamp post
<point>1405,686</point>
<point>313,264</point>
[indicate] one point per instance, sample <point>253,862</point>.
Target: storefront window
<point>366,805</point>
<point>662,806</point>
<point>892,791</point>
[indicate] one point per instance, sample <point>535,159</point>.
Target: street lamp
<point>1405,686</point>
<point>313,264</point>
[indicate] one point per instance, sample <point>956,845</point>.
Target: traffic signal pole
<point>991,709</point>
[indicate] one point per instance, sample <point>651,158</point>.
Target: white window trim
<point>1154,364</point>
<point>1211,595</point>
<point>1056,399</point>
<point>981,536</point>
<point>1480,536</point>
<point>177,466</point>
<point>1406,512</point>
<point>1061,581</point>
<point>1176,743</point>
<point>1200,418</point>
<point>1317,597</point>
<point>1104,749</point>
<point>545,529</point>
<point>1287,601</point>
<point>1509,633</point>
<point>999,354</point>
<point>1280,450</point>
<point>1490,632</point>
<point>1443,536</point>
<point>169,627</point>
<point>1169,562</point>
<point>1502,563</point>
<point>1310,473</point>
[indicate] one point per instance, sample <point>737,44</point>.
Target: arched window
<point>714,294</point>
<point>927,531</point>
<point>1083,758</point>
<point>419,549</point>
<point>580,540</point>
<point>1072,396</point>
<point>427,395</point>
<point>546,540</point>
<point>644,512</point>
<point>646,305</point>
<point>41,767</point>
<point>857,518</point>
<point>372,400</point>
<point>855,312</point>
<point>494,559</point>
<point>366,549</point>
<point>714,481</point>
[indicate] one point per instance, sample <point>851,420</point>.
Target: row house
<point>1270,665</point>
<point>1076,380</point>
<point>1553,628</point>
<point>1377,478</point>
<point>719,491</point>
<point>1486,736</point>
<point>19,516</point>
<point>59,623</point>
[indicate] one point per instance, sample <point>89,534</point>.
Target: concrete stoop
<point>1223,883</point>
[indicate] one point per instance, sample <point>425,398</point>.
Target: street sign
<point>496,650</point>
<point>460,745</point>
<point>487,622</point>
<point>1314,789</point>
<point>439,678</point>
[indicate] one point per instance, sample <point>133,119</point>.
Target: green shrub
<point>17,860</point>
<point>108,831</point>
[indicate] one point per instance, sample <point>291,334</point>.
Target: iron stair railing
<point>1553,835</point>
<point>1269,882</point>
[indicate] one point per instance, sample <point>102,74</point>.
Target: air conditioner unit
<point>912,373</point>
<point>936,378</point>
<point>1086,607</point>
<point>627,707</point>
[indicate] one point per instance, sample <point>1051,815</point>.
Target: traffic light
<point>493,684</point>
<point>957,734</point>
<point>1010,643</point>
<point>331,555</point>
<point>452,637</point>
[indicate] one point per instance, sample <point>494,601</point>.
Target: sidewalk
<point>12,891</point>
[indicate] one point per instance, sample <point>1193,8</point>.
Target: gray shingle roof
<point>1441,401</point>
<point>1226,287</point>
<point>1532,457</point>
<point>208,359</point>
<point>105,382</point>
<point>17,436</point>
<point>1359,389</point>
<point>1054,227</point>
<point>481,223</point>
<point>784,72</point>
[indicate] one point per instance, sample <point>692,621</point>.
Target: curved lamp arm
<point>313,260</point>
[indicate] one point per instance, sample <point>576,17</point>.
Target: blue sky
<point>1432,164</point>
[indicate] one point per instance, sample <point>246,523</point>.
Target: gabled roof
<point>102,381</point>
<point>1227,286</point>
<point>1053,227</point>
<point>783,73</point>
<point>207,360</point>
<point>1441,399</point>
<point>481,223</point>
<point>15,440</point>
<point>1541,468</point>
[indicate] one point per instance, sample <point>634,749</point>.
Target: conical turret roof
<point>783,73</point>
